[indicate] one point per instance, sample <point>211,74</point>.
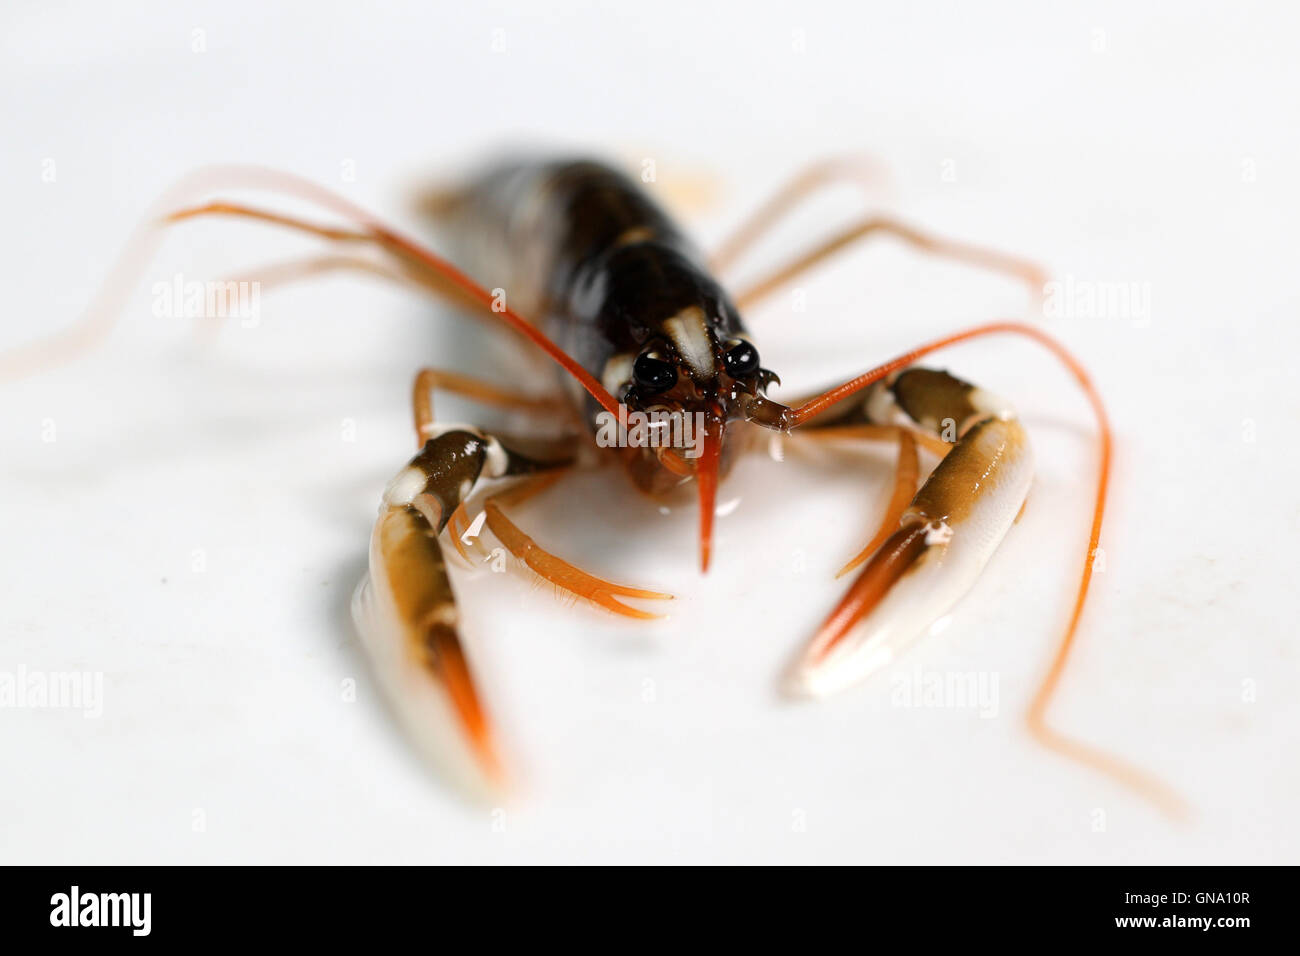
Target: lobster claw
<point>406,613</point>
<point>945,538</point>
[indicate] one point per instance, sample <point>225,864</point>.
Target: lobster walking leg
<point>559,572</point>
<point>827,172</point>
<point>869,226</point>
<point>802,185</point>
<point>428,380</point>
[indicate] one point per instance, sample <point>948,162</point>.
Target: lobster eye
<point>741,360</point>
<point>653,374</point>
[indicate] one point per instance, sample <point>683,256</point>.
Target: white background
<point>196,527</point>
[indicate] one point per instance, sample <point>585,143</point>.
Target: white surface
<point>664,743</point>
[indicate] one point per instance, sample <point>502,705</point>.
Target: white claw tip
<point>816,675</point>
<point>796,685</point>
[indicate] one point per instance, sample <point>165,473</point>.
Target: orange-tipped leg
<point>564,575</point>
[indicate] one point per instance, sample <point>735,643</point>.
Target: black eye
<point>653,374</point>
<point>741,360</point>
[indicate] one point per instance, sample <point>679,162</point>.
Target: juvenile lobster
<point>628,309</point>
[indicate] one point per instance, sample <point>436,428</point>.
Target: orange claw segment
<point>905,481</point>
<point>564,575</point>
<point>896,556</point>
<point>445,657</point>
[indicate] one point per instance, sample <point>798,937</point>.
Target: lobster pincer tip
<point>853,642</point>
<point>823,670</point>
